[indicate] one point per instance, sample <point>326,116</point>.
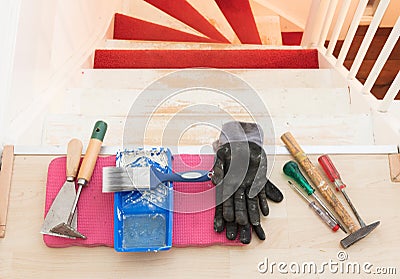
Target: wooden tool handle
<point>318,180</point>
<point>93,150</point>
<point>74,152</point>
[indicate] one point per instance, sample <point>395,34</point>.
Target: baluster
<point>390,94</point>
<point>382,58</point>
<point>338,27</point>
<point>373,27</point>
<point>352,31</point>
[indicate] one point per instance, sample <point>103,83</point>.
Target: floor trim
<point>7,162</point>
<point>279,150</point>
<point>394,163</point>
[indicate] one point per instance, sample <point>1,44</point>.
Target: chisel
<point>319,211</point>
<point>334,177</point>
<point>292,170</point>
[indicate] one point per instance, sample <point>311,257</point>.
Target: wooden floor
<point>294,234</point>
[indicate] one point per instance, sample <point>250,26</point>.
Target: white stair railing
<point>312,23</point>
<point>328,21</point>
<point>369,36</point>
<point>320,21</point>
<point>338,26</point>
<point>390,94</point>
<point>382,58</point>
<point>352,32</point>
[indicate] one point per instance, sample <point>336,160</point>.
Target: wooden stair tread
<point>143,45</point>
<point>257,78</point>
<point>278,101</point>
<point>352,129</point>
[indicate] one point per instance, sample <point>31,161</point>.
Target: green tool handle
<point>292,170</point>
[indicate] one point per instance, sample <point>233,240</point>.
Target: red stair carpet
<point>129,28</point>
<point>291,38</point>
<point>240,17</point>
<point>183,11</point>
<point>288,59</point>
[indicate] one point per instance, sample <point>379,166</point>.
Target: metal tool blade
<point>65,230</point>
<point>358,235</point>
<point>60,209</point>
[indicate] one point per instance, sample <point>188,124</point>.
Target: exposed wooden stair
<point>315,104</point>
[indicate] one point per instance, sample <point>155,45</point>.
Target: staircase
<point>390,69</point>
<point>155,39</point>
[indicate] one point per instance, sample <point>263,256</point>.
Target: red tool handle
<point>331,171</point>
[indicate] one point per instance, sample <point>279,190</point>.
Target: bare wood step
<point>210,11</point>
<point>262,9</point>
<point>183,129</point>
<point>144,45</point>
<point>257,78</point>
<point>394,161</point>
<point>269,29</point>
<point>142,10</point>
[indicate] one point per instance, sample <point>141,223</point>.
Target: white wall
<point>297,12</point>
<point>9,15</point>
<point>391,15</point>
<point>55,37</point>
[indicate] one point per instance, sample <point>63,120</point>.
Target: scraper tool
<point>60,208</point>
<point>85,173</point>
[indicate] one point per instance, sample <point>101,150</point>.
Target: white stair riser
<point>277,101</point>
<point>164,130</point>
<point>146,45</point>
<point>257,78</point>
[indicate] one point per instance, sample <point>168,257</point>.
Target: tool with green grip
<point>292,170</point>
<point>319,211</point>
<point>84,176</point>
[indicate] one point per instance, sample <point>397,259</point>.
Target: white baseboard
<point>26,150</point>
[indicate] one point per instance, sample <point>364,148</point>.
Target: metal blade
<point>60,209</point>
<point>358,235</point>
<point>64,230</point>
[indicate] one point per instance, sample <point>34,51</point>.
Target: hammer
<point>356,232</point>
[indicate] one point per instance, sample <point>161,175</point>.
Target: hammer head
<point>358,235</point>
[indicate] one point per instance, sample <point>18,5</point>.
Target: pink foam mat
<point>193,206</point>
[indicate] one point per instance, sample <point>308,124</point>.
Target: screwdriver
<point>334,177</point>
<point>292,170</point>
<point>319,211</point>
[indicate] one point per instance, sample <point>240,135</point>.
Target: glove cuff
<point>236,131</point>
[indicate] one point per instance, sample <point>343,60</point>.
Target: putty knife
<point>65,227</point>
<point>61,206</point>
<point>118,179</point>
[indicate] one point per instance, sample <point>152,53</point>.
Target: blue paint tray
<point>143,219</point>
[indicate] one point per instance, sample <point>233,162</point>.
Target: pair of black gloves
<point>240,176</point>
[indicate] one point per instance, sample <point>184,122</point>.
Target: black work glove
<point>240,176</point>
